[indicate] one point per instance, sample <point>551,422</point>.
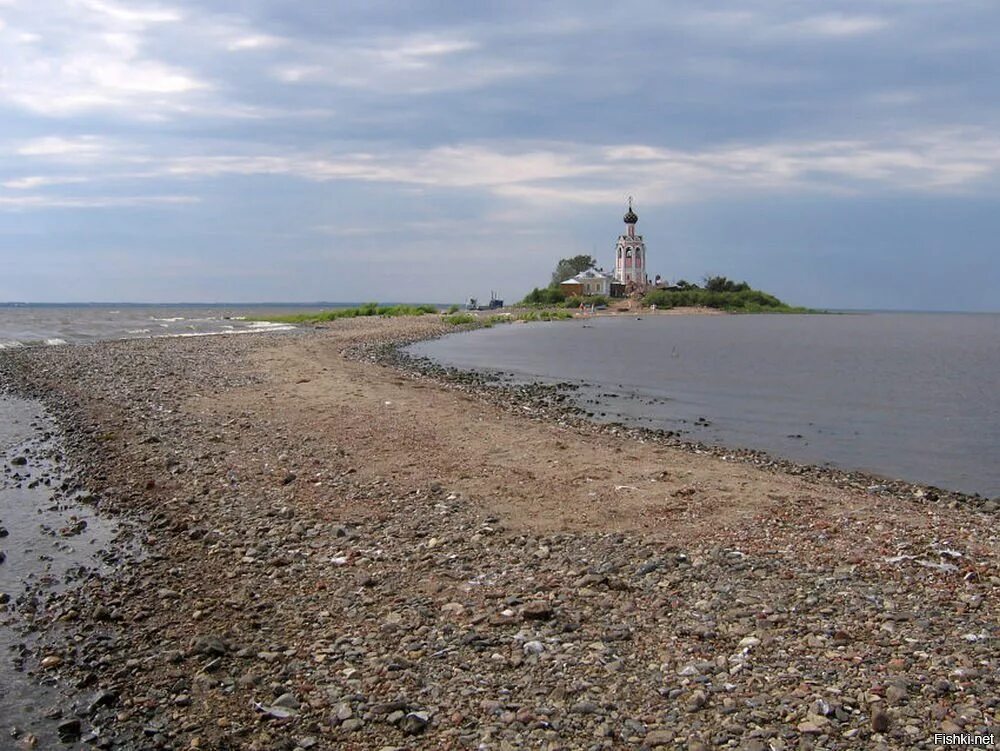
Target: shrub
<point>546,296</point>
<point>459,319</point>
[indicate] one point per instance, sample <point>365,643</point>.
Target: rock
<point>696,701</point>
<point>658,738</point>
<point>537,610</point>
<point>533,647</point>
<point>585,707</point>
<point>896,693</point>
<point>51,661</point>
<point>880,721</point>
<point>352,725</point>
<point>102,699</point>
<point>19,461</point>
<point>3,556</point>
<point>279,713</point>
<point>287,700</point>
<point>414,723</point>
<point>288,479</point>
<point>69,731</point>
<point>210,646</point>
<point>343,711</point>
<point>101,613</point>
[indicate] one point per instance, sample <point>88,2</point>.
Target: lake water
<point>48,540</point>
<point>52,325</point>
<point>904,395</point>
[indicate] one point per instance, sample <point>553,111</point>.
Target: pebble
<point>324,604</point>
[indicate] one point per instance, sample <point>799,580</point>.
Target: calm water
<point>912,396</point>
<point>49,541</point>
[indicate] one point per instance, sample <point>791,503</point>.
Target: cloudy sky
<point>836,153</point>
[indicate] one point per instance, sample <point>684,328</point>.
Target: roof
<point>588,275</point>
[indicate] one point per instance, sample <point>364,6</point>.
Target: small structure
<point>630,256</point>
<point>495,303</point>
<point>590,282</point>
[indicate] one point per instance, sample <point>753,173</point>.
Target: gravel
<point>281,601</point>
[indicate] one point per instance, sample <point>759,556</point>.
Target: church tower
<point>630,256</point>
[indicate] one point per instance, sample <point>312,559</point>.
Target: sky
<point>835,153</point>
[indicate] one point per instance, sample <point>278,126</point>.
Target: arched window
<point>628,252</point>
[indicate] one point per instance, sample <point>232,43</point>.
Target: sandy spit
<point>345,555</point>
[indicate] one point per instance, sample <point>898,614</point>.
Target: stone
<point>352,725</point>
<point>102,699</point>
<point>533,647</point>
<point>537,610</point>
<point>880,721</point>
<point>287,700</point>
<point>658,738</point>
<point>343,711</point>
<point>19,461</point>
<point>896,694</point>
<point>70,730</point>
<point>414,723</point>
<point>696,701</point>
<point>210,646</point>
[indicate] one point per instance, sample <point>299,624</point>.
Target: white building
<point>630,255</point>
<point>589,282</point>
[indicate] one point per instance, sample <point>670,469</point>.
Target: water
<point>39,325</point>
<point>910,396</point>
<point>49,540</point>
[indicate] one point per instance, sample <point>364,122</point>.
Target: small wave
<point>169,320</point>
<point>55,342</point>
<point>270,326</point>
<point>11,345</point>
<point>138,331</point>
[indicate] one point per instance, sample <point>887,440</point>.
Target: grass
<point>461,319</point>
<point>733,301</point>
<point>368,309</point>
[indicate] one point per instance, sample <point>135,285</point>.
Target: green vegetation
<point>547,296</point>
<point>543,315</point>
<point>568,267</point>
<point>368,309</point>
<point>452,309</point>
<point>720,293</point>
<point>586,300</point>
<point>458,319</point>
<point>461,319</point>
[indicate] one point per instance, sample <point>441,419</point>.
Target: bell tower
<point>630,255</point>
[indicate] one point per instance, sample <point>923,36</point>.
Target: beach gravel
<point>343,551</point>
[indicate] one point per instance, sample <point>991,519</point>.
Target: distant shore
<point>344,549</point>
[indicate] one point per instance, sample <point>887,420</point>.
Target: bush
<point>739,298</point>
<point>452,309</point>
<point>546,296</point>
<point>576,301</point>
<point>459,319</point>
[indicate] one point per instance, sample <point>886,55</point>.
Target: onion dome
<point>630,216</point>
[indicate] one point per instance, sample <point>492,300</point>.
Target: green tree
<point>568,267</point>
<point>722,284</point>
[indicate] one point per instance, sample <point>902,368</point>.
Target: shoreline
<point>553,404</point>
<point>327,568</point>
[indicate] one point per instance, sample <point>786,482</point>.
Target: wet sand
<point>344,554</point>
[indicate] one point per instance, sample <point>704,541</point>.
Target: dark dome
<point>630,216</point>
